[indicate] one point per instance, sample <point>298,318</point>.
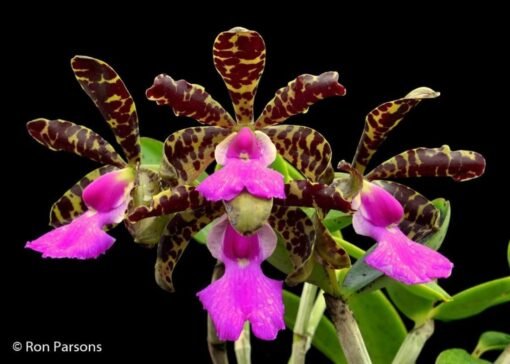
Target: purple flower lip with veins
<point>245,157</point>
<point>243,293</point>
<point>107,199</point>
<point>378,214</point>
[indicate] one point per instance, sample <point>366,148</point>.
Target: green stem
<point>300,340</point>
<point>315,317</point>
<point>504,358</point>
<point>217,348</point>
<point>347,330</point>
<point>413,343</point>
<point>242,346</point>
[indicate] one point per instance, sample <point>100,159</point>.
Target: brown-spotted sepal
<point>106,89</point>
<point>174,241</point>
<point>189,100</point>
<point>460,165</point>
<point>188,152</point>
<point>384,118</point>
<point>298,96</point>
<point>421,217</point>
<point>298,233</point>
<point>61,135</point>
<point>305,148</point>
<point>239,56</point>
<point>328,252</point>
<point>309,194</point>
<point>71,204</point>
<point>180,198</point>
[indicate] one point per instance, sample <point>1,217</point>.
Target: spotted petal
<point>60,135</point>
<point>421,217</point>
<point>174,241</point>
<point>380,121</point>
<point>297,230</point>
<point>239,56</point>
<point>329,253</point>
<point>188,152</point>
<point>460,165</point>
<point>71,204</point>
<point>169,201</point>
<point>298,96</point>
<point>106,89</point>
<point>189,100</point>
<point>305,148</point>
<point>308,194</point>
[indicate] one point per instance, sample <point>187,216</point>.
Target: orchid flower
<point>243,293</point>
<point>244,147</point>
<point>421,217</point>
<point>393,214</point>
<point>72,210</point>
<point>107,199</point>
<point>378,214</point>
<point>244,156</point>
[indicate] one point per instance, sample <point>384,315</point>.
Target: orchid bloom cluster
<point>249,204</point>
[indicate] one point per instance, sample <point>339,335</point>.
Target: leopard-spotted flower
<point>107,199</point>
<point>243,293</point>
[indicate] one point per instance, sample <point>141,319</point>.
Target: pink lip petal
<point>379,206</point>
<point>406,261</point>
<point>237,175</point>
<point>244,292</point>
<point>83,238</point>
<point>109,191</point>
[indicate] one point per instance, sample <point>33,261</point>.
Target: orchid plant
<point>273,196</point>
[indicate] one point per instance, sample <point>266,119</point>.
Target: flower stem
<point>413,343</point>
<point>300,342</point>
<point>347,330</point>
<point>242,346</point>
<point>504,358</point>
<point>217,347</point>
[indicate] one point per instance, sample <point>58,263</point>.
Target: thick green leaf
<point>434,241</point>
<point>457,356</point>
<point>474,300</point>
<point>325,338</point>
<point>152,151</point>
<point>491,340</point>
<point>411,305</point>
<point>380,325</point>
<point>337,220</point>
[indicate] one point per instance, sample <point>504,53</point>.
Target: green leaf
<point>325,339</point>
<point>380,324</point>
<point>337,220</point>
<point>474,300</point>
<point>152,151</point>
<point>456,356</point>
<point>412,306</point>
<point>431,290</point>
<point>491,340</point>
<point>434,241</point>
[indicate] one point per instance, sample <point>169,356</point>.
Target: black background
<point>114,300</point>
